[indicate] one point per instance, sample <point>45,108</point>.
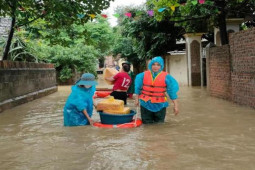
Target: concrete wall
<point>5,24</point>
<point>194,53</point>
<point>232,69</point>
<point>21,82</point>
<point>176,65</point>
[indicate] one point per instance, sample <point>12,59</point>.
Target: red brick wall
<point>219,72</point>
<point>232,69</point>
<point>242,48</point>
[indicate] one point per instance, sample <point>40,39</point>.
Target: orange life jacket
<point>154,90</point>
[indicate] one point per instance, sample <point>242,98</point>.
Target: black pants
<point>120,95</point>
<point>153,117</point>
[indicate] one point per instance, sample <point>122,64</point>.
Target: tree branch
<point>189,19</point>
<point>242,5</point>
<point>9,3</point>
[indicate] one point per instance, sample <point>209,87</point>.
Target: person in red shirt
<point>122,81</point>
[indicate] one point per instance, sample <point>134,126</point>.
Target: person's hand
<point>91,121</point>
<point>95,105</point>
<point>136,101</point>
<point>176,110</point>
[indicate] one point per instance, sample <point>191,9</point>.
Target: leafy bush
<point>65,73</point>
<point>67,59</point>
<point>19,50</point>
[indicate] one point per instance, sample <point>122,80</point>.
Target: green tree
<point>67,60</point>
<point>216,11</point>
<point>56,13</point>
<point>100,35</point>
<point>145,37</point>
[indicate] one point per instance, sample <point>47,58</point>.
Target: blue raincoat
<point>79,99</point>
<point>172,87</point>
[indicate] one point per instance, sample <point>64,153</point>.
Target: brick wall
<point>219,72</point>
<point>232,69</point>
<point>242,48</point>
<point>21,82</point>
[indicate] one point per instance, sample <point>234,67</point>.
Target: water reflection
<point>209,133</point>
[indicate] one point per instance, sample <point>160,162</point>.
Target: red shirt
<point>122,81</point>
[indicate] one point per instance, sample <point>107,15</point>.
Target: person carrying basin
<point>122,81</point>
<point>131,88</point>
<point>150,89</point>
<point>79,105</point>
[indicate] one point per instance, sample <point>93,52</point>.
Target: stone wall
<point>242,48</point>
<point>21,82</point>
<point>232,69</point>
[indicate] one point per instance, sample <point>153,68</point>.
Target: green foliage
<point>19,50</point>
<point>78,57</point>
<point>67,59</point>
<point>98,34</point>
<point>56,13</point>
<point>2,46</point>
<point>65,73</point>
<point>170,6</point>
<point>196,17</point>
<point>151,37</point>
<point>143,37</point>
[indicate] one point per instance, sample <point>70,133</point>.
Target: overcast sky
<point>115,4</point>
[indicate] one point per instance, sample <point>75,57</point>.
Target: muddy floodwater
<point>208,134</point>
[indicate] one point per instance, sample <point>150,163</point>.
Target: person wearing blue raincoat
<point>79,105</point>
<point>150,89</point>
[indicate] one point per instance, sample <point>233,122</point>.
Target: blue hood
<point>159,60</point>
<point>84,92</point>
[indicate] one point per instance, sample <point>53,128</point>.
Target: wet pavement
<point>208,134</point>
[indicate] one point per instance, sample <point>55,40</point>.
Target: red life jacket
<point>154,90</point>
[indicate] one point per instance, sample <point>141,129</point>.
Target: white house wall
<point>177,67</point>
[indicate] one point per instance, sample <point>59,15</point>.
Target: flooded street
<point>208,134</point>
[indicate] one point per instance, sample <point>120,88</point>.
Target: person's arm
<point>137,99</point>
<point>87,116</point>
<point>113,78</point>
<point>94,103</point>
<point>138,86</point>
<point>110,78</point>
<point>172,89</point>
<point>176,108</point>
